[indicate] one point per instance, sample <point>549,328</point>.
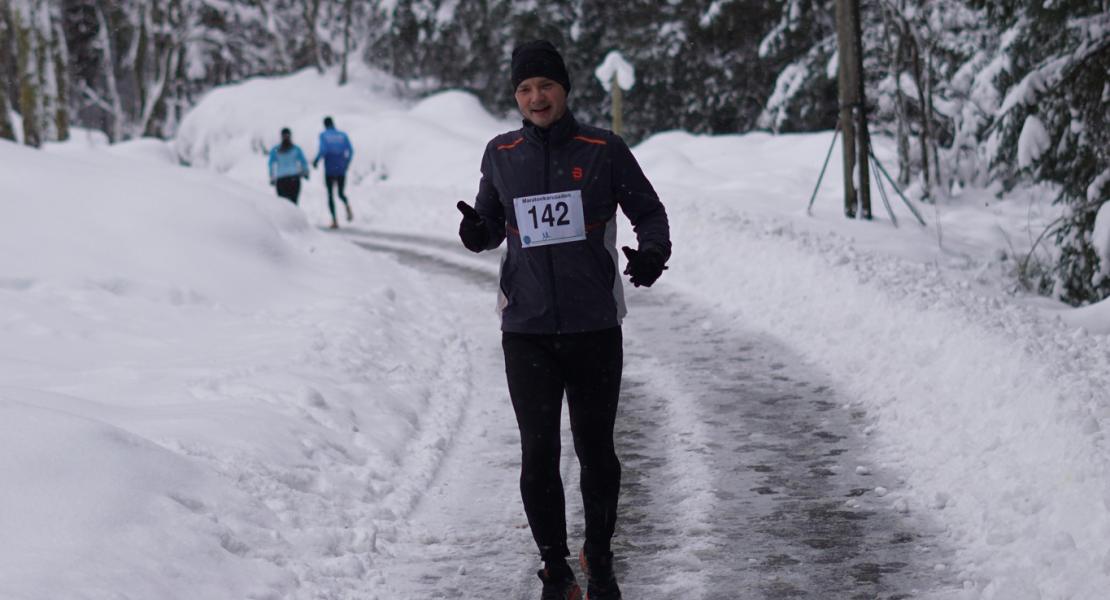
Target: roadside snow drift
<point>201,396</point>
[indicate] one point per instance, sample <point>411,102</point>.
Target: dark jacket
<point>574,286</point>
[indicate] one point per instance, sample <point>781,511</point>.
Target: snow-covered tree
<point>801,48</point>
<point>1050,123</point>
<point>49,67</point>
<point>39,58</point>
<point>136,65</point>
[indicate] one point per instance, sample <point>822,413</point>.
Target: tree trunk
<point>903,126</point>
<point>915,49</point>
<point>153,113</point>
<point>848,87</point>
<point>896,50</point>
<point>139,67</point>
<point>863,137</point>
<point>44,68</point>
<point>29,92</point>
<point>108,68</point>
<point>156,64</point>
<point>311,14</point>
<point>7,130</point>
<point>929,112</point>
<point>348,6</point>
<point>59,57</point>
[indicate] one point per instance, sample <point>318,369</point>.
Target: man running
<point>287,166</point>
<point>336,150</point>
<point>552,189</point>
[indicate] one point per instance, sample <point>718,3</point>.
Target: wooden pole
<point>863,138</point>
<point>848,90</point>
<point>615,94</point>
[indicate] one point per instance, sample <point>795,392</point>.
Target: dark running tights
<point>588,367</point>
<point>338,181</point>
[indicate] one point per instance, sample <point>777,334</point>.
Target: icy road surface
<point>745,474</point>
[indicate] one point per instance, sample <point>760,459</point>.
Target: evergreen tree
<point>1056,61</point>
<point>801,48</point>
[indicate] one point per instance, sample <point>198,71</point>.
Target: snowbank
<point>234,127</point>
<point>200,395</point>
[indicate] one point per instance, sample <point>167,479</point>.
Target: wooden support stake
<point>615,93</point>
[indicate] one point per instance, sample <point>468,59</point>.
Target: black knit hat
<point>539,59</point>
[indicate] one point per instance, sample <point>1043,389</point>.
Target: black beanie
<point>539,59</point>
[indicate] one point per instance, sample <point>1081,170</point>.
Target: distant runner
<point>287,166</point>
<point>552,189</point>
<point>336,150</point>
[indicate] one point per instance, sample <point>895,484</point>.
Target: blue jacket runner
<point>574,286</point>
<point>336,150</point>
<point>288,163</point>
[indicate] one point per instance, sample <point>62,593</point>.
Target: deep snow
<point>204,396</point>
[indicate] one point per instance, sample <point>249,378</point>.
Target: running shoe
<point>559,586</point>
<point>601,582</point>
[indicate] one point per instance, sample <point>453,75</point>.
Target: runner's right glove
<point>472,230</point>
<point>644,266</point>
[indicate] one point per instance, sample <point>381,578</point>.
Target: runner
<point>336,150</point>
<point>287,166</point>
<point>552,189</point>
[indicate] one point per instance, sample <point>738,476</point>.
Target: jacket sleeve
<point>638,200</point>
<point>348,148</point>
<point>272,164</point>
<point>320,147</point>
<point>304,163</point>
<point>488,203</point>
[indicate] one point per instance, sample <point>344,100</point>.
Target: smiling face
<point>541,100</point>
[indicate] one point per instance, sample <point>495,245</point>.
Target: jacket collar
<point>559,133</point>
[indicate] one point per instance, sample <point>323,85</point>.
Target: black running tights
<point>588,367</point>
<point>335,181</point>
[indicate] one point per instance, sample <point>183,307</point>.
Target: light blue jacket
<point>336,150</point>
<point>290,163</point>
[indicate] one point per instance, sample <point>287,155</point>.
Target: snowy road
<point>745,475</point>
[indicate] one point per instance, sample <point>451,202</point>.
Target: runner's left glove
<point>472,230</point>
<point>644,266</point>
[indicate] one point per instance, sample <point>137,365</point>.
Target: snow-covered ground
<point>205,396</point>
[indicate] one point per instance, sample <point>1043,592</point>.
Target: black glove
<point>472,230</point>
<point>644,266</point>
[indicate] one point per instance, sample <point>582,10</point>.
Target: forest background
<point>989,94</point>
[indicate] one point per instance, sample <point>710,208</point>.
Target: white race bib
<point>550,218</point>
